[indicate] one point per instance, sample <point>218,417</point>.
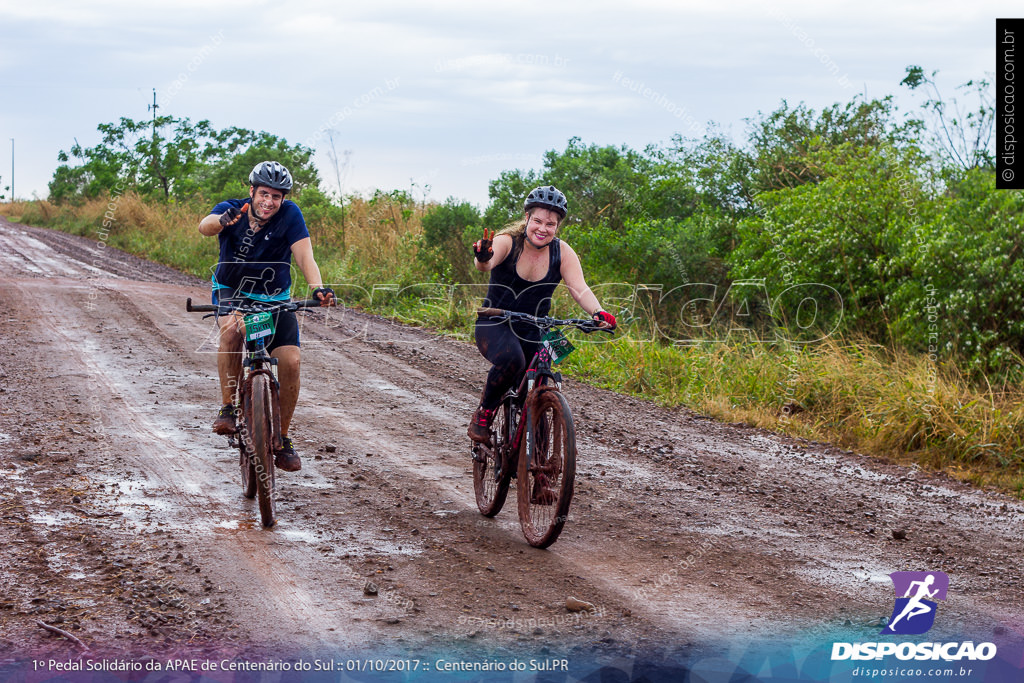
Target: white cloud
<point>476,80</point>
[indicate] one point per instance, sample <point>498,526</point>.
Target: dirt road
<point>123,521</point>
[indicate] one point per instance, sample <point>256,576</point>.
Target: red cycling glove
<point>605,317</point>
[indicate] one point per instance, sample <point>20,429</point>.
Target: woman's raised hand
<point>482,247</point>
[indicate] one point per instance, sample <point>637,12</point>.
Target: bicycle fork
<point>275,388</point>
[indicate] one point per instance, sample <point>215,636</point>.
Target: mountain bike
<point>257,396</point>
<point>539,450</point>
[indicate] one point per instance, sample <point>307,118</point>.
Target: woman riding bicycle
<point>526,262</point>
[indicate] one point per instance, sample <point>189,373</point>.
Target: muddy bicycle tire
<point>547,468</point>
<point>245,463</point>
<point>492,491</point>
<point>262,434</point>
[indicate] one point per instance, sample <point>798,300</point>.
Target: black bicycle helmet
<point>271,174</point>
<point>547,198</point>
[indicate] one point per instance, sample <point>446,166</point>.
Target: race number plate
<point>258,325</point>
<point>558,346</point>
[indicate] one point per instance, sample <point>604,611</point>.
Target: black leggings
<point>509,352</point>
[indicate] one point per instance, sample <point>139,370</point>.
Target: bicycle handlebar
<point>585,325</point>
<point>251,307</point>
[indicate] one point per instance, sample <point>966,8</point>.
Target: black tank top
<point>510,292</point>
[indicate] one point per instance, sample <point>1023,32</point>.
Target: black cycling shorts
<point>286,327</point>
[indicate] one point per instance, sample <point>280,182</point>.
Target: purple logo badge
<point>916,593</point>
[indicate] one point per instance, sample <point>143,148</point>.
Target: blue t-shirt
<point>257,264</point>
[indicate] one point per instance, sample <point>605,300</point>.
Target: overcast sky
<point>450,93</point>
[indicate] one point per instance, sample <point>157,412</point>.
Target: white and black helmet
<point>271,174</point>
<point>548,197</point>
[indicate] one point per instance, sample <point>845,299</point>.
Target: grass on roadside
<point>849,392</point>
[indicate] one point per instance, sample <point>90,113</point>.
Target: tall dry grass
<point>850,392</point>
<point>166,233</point>
<point>36,209</point>
<point>376,243</point>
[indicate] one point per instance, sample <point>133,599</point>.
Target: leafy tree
<point>449,231</point>
<point>604,185</point>
<point>960,136</point>
<point>784,143</point>
<point>848,231</point>
<point>101,169</point>
<point>714,174</point>
<point>230,155</point>
<point>963,287</point>
<point>717,170</point>
<point>507,194</point>
<point>171,157</point>
<point>136,153</point>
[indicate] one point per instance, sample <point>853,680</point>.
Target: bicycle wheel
<point>492,466</point>
<point>245,463</point>
<point>547,467</point>
<point>262,457</point>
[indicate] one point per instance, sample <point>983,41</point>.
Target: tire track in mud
<point>613,574</point>
<point>268,580</point>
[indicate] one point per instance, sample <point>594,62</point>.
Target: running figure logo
<point>914,612</point>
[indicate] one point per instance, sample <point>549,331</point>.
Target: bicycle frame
<point>536,373</point>
<point>258,362</point>
<point>535,440</point>
<point>540,365</point>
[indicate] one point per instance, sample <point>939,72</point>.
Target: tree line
<point>895,212</point>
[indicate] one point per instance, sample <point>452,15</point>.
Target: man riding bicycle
<point>258,237</point>
<point>526,262</point>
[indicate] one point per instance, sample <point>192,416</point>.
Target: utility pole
<point>12,169</point>
<point>154,107</point>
